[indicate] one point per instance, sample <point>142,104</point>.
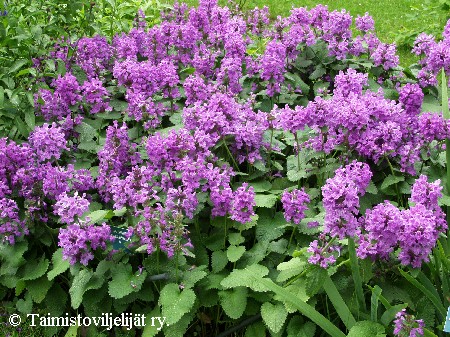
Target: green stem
<point>269,155</point>
<point>298,157</point>
<point>446,115</point>
<point>231,156</point>
<point>396,186</point>
<point>292,236</point>
<point>355,272</point>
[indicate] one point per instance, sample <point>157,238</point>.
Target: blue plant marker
<point>447,321</point>
<point>120,238</point>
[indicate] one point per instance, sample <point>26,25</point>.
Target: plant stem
<point>355,272</point>
<point>231,156</point>
<point>446,115</point>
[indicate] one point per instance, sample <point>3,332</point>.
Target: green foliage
<point>367,329</point>
<point>234,301</point>
<point>175,303</point>
<point>274,316</point>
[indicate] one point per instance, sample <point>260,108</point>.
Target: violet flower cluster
<point>295,205</point>
<point>411,232</point>
<point>365,122</point>
<point>434,56</point>
<point>407,326</point>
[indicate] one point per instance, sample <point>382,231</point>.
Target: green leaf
<point>339,304</point>
<point>265,200</point>
<point>175,303</point>
<point>38,288</point>
<point>150,329</point>
<point>25,306</point>
<point>367,329</point>
<point>124,282</point>
<point>2,97</point>
<point>78,287</point>
<point>218,261</point>
<point>315,279</point>
<point>72,332</point>
<point>300,305</point>
<point>291,268</point>
<point>17,65</point>
<point>234,301</point>
<point>274,315</point>
<point>13,254</point>
<point>318,72</point>
<point>34,269</point>
<point>193,276</point>
<point>391,180</point>
<point>21,126</point>
<point>235,239</point>
<point>270,227</point>
<point>56,303</point>
<point>30,118</point>
<point>376,292</point>
<point>59,265</point>
<point>97,216</point>
<point>389,315</point>
<point>435,300</point>
<point>234,253</point>
<point>261,186</point>
<point>296,328</point>
<point>255,330</point>
<point>86,131</point>
<point>241,278</point>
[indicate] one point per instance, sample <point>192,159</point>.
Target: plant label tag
<point>447,321</point>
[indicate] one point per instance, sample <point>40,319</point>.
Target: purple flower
<point>96,95</point>
<point>11,227</point>
<point>381,225</point>
<point>407,326</point>
<point>411,96</point>
<point>241,207</point>
<point>341,199</point>
<point>68,207</point>
<point>385,55</point>
<point>418,235</point>
<point>48,141</point>
<point>295,205</point>
<point>349,82</point>
<point>365,23</point>
<point>79,241</point>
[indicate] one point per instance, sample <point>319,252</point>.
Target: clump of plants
<point>233,176</point>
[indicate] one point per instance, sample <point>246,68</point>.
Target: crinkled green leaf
<point>265,200</point>
<point>234,253</point>
<point>193,276</point>
<point>78,287</point>
<point>274,315</point>
<point>367,329</point>
<point>38,288</point>
<point>391,180</point>
<point>234,301</point>
<point>219,260</point>
<point>34,269</point>
<point>59,265</point>
<point>242,278</point>
<point>175,302</point>
<point>291,268</point>
<point>124,281</point>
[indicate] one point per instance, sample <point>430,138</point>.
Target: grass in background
<point>390,16</point>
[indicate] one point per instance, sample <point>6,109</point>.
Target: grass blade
<point>435,300</point>
<point>339,304</point>
<point>355,273</point>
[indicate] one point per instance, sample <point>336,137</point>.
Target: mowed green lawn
<point>390,15</point>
